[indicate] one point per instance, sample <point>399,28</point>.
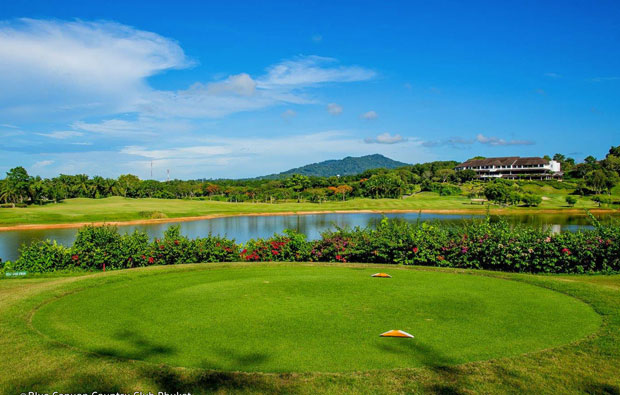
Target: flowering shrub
<point>291,246</point>
<point>479,244</point>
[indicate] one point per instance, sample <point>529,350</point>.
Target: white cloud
<point>195,152</point>
<point>369,115</point>
<point>311,70</point>
<point>334,109</point>
<point>218,156</point>
<point>61,134</point>
<point>43,163</point>
<point>240,84</point>
<point>57,66</point>
<point>495,141</point>
<point>74,69</point>
<point>386,138</point>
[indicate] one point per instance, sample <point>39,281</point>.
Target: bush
<point>44,256</point>
<point>96,246</point>
<point>478,244</point>
<point>291,246</point>
<point>571,200</point>
<point>531,200</point>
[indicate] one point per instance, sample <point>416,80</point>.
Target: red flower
<point>151,260</point>
<point>143,256</point>
<point>338,257</point>
<point>274,252</point>
<point>415,250</point>
<point>75,257</point>
<point>244,251</point>
<point>566,251</point>
<point>161,247</point>
<point>440,258</point>
<point>176,242</point>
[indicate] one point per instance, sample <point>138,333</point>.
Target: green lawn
<point>122,209</point>
<point>312,318</point>
<point>222,325</point>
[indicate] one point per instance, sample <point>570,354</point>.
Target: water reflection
<point>244,228</point>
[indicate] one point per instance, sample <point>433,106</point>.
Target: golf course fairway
<point>310,318</point>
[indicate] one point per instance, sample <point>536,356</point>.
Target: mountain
<point>344,167</point>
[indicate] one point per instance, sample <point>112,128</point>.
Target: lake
<point>243,228</point>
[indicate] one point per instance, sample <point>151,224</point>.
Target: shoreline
<point>481,211</point>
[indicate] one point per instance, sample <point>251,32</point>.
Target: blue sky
<point>241,89</point>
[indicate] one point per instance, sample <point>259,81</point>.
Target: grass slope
<point>29,361</point>
<point>122,209</point>
<point>312,318</point>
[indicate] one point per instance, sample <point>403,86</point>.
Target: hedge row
<point>480,244</point>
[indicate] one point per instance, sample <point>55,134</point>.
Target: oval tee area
<point>310,318</point>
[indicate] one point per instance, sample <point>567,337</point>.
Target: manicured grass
<point>312,318</point>
<point>122,209</point>
<point>32,361</point>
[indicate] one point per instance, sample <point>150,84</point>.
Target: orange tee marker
<point>382,275</point>
<point>396,333</point>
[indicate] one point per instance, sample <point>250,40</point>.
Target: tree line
<point>592,176</point>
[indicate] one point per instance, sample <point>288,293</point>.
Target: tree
<point>531,200</point>
<point>515,197</point>
<point>571,200</point>
<point>497,192</point>
<point>590,160</point>
<point>612,163</point>
<point>16,185</point>
<point>297,183</point>
<point>466,175</point>
<point>384,185</point>
<point>343,190</point>
<point>445,174</point>
<point>559,158</point>
<point>211,189</point>
<point>600,180</point>
<point>128,185</point>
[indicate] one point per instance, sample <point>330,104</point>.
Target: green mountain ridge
<point>343,167</point>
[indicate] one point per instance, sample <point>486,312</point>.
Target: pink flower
<point>548,239</point>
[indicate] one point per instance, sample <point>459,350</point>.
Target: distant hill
<point>344,167</point>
